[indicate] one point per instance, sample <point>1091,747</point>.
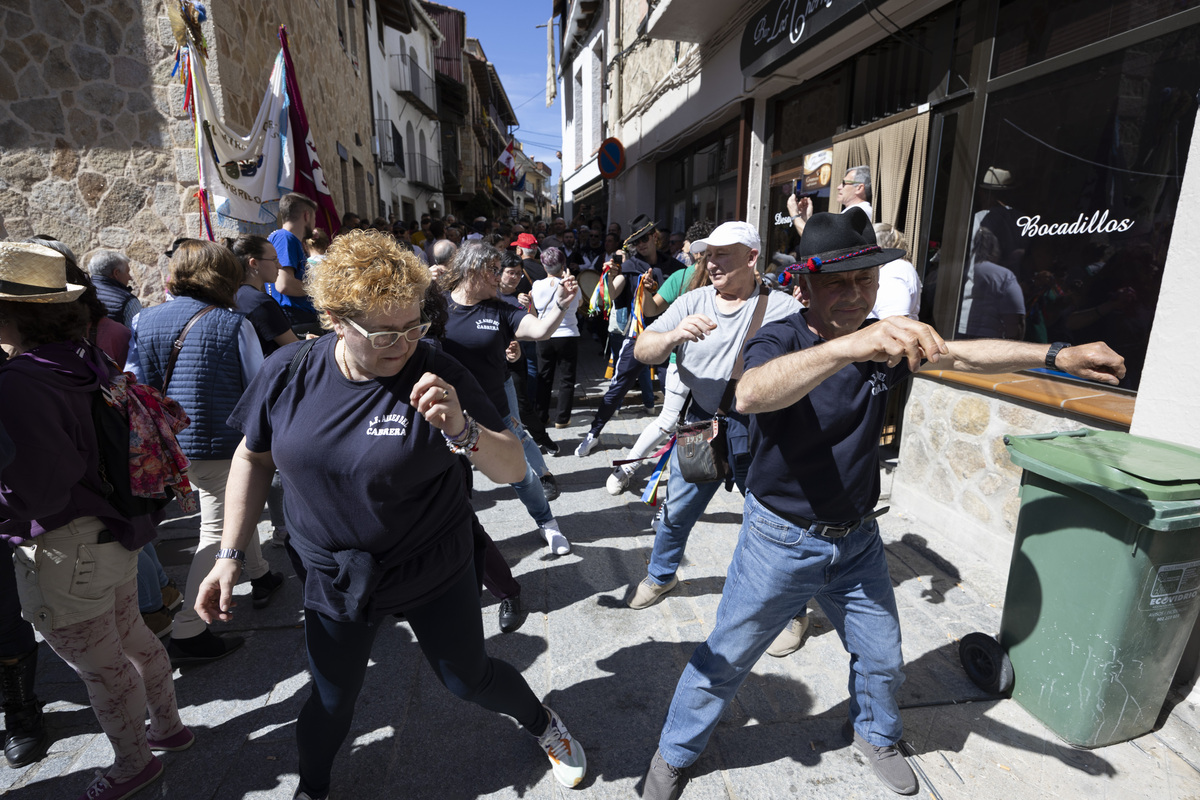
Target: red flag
<point>310,178</point>
<point>508,163</point>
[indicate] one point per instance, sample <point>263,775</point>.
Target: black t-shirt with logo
<point>477,337</point>
<point>363,471</point>
<point>819,458</point>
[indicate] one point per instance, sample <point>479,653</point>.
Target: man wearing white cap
<point>706,328</point>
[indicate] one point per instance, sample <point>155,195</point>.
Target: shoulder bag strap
<point>760,313</point>
<point>298,358</point>
<point>177,345</point>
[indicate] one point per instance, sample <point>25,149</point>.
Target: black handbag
<point>702,448</point>
<point>703,451</point>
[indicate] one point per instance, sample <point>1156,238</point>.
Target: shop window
<point>1073,212</point>
<point>700,182</point>
<point>1031,31</point>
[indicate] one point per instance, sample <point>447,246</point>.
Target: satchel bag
<point>703,447</point>
<point>703,451</point>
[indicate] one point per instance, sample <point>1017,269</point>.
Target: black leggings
<point>450,632</point>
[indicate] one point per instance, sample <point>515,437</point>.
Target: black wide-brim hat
<point>641,225</point>
<point>840,243</point>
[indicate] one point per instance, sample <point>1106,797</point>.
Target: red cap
<point>526,240</point>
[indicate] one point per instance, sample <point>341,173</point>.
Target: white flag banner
<point>242,173</point>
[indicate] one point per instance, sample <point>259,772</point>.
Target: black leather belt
<point>827,531</point>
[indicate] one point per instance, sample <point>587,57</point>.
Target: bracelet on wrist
<point>467,441</point>
<point>457,436</point>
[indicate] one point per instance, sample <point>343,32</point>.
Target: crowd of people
<point>383,367</point>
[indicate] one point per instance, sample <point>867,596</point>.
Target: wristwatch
<point>229,552</point>
<point>1053,352</point>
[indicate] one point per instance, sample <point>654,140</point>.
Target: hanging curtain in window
<point>896,154</point>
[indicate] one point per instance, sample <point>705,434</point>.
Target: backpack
<point>142,467</point>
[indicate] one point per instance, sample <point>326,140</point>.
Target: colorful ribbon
<point>650,495</point>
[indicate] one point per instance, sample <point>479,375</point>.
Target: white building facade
<point>407,140</point>
<point>582,100</point>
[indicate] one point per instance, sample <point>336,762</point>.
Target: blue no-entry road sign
<point>611,157</point>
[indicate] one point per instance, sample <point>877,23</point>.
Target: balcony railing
<point>390,147</point>
<point>409,80</point>
<point>424,171</point>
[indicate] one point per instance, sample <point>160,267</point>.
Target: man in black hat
<point>816,385</point>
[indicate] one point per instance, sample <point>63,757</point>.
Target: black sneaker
<point>548,446</point>
<point>202,649</point>
<point>262,588</point>
<point>511,614</point>
<point>888,762</point>
<point>663,781</point>
<point>550,487</point>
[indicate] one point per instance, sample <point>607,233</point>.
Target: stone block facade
<point>954,471</point>
<point>95,146</point>
<point>85,132</point>
<point>645,67</point>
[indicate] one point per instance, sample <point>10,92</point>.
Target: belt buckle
<point>835,531</point>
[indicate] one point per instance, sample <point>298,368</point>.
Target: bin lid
<point>1154,483</point>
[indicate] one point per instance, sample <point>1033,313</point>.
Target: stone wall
<point>95,147</point>
<point>954,471</point>
<point>85,129</point>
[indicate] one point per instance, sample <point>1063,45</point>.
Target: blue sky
<point>517,48</point>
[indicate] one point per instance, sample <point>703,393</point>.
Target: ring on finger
<point>445,393</point>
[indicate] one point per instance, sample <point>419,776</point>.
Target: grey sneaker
<point>889,764</point>
<point>790,639</point>
<point>663,781</point>
<point>619,481</point>
<point>648,592</point>
<point>566,755</point>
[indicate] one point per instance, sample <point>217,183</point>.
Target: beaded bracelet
<point>466,441</point>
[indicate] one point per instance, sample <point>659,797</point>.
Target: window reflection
<point>1078,209</point>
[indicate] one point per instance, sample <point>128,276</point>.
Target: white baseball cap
<point>728,233</point>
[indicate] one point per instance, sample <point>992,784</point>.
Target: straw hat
<point>34,273</point>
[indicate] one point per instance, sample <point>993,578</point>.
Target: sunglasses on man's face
<point>642,239</point>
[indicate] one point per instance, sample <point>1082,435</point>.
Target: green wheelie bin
<point>1104,586</point>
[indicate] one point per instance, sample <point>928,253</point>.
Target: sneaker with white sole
<point>790,639</point>
<point>589,443</point>
<point>566,755</point>
<point>103,788</point>
<point>557,543</point>
<point>648,592</point>
<point>619,481</point>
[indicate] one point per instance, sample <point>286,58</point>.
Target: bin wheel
<point>986,663</point>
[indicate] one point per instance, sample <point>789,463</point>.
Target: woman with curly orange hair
<point>367,434</point>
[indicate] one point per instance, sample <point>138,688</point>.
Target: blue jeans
<point>627,370</point>
<point>776,568</point>
<point>686,501</point>
<point>150,580</point>
<point>533,454</point>
<point>529,489</point>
